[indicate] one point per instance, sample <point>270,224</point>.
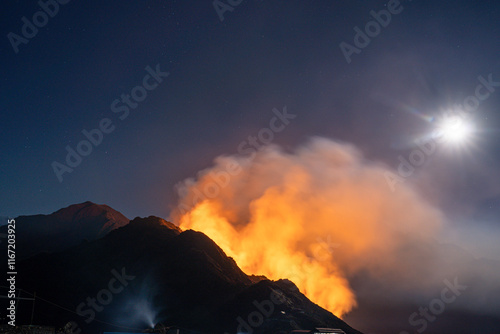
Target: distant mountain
<point>64,228</point>
<point>149,272</point>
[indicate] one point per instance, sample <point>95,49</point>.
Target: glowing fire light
<point>275,260</point>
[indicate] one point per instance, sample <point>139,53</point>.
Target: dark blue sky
<point>225,77</point>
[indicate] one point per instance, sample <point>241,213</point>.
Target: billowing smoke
<point>320,215</point>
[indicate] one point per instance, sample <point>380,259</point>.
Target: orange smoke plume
<point>316,216</point>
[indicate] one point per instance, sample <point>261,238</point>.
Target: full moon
<point>455,129</point>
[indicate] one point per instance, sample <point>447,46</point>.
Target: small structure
<point>318,331</point>
<point>328,330</point>
<point>32,329</point>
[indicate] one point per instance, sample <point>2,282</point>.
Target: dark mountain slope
<point>168,276</point>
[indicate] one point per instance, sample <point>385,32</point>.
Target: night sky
<point>225,79</point>
<point>204,79</point>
